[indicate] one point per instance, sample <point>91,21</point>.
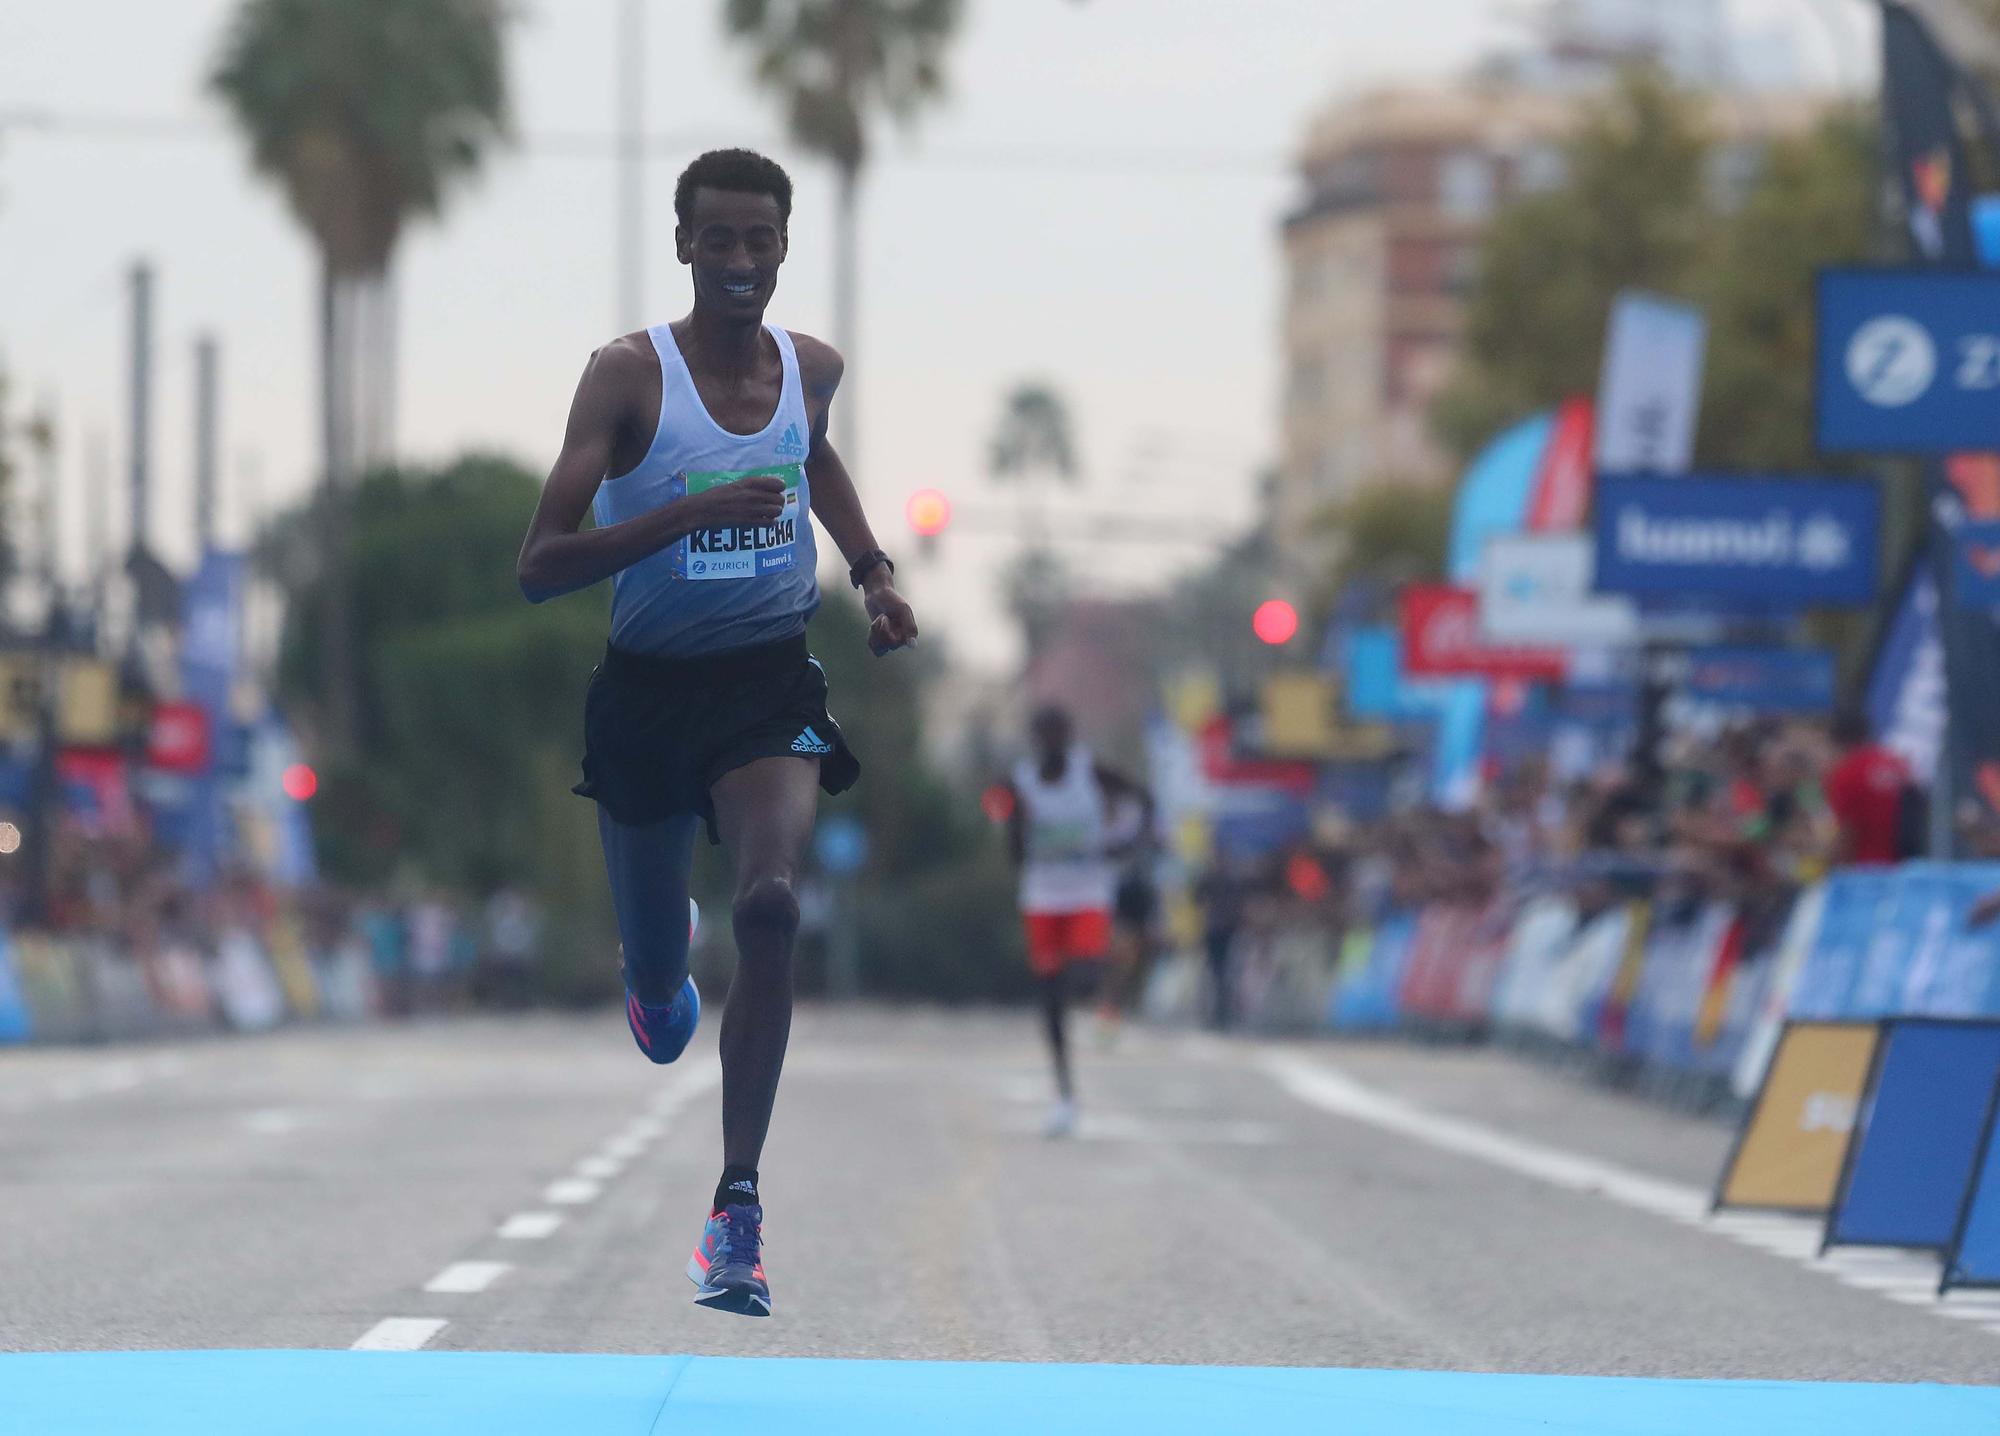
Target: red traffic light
<point>997,803</point>
<point>300,782</point>
<point>928,512</point>
<point>1275,621</point>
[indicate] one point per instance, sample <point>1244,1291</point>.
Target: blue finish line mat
<point>320,1393</point>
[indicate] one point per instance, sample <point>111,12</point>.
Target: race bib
<point>745,550</point>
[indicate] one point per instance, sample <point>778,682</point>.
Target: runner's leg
<point>1055,1003</point>
<point>764,811</point>
<point>648,866</point>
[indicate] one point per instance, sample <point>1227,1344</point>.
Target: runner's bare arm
<point>560,556</point>
<point>892,623</point>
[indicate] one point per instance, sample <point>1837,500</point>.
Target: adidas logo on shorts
<point>810,742</point>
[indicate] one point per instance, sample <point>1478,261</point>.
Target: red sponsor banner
<point>1441,639</point>
<point>1563,485</point>
<point>177,738</point>
<point>1220,764</point>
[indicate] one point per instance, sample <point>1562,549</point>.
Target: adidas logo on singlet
<point>790,445</point>
<point>811,742</point>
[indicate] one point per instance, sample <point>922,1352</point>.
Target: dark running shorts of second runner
<point>659,732</point>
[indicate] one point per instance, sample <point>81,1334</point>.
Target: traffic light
<point>928,512</point>
<point>300,782</point>
<point>1275,621</point>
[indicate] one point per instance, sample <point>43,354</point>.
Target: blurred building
<point>1398,186</point>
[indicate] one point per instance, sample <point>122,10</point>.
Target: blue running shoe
<point>727,1268</point>
<point>663,1033</point>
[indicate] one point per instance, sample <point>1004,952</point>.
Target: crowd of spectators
<point>131,901</point>
<point>1746,814</point>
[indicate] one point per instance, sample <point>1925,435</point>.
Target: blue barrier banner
<point>1768,680</point>
<point>1907,361</point>
<point>1915,911</point>
<point>1974,1258</point>
<point>1680,950</point>
<point>1370,1001</point>
<point>1774,541</point>
<point>14,1019</point>
<point>1919,1132</point>
<point>1855,899</point>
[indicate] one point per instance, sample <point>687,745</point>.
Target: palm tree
<point>1033,440</point>
<point>366,113</point>
<point>829,63</point>
<point>1033,446</point>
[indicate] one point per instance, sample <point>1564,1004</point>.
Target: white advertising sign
<point>1536,588</point>
<point>1649,390</point>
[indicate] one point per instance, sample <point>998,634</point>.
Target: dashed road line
<point>572,1191</point>
<point>400,1333</point>
<point>1896,1274</point>
<point>464,1278</point>
<point>469,1278</point>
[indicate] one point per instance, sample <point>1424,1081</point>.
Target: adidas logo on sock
<point>749,1189</point>
<point>810,742</point>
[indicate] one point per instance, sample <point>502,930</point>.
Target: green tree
<point>830,63</point>
<point>1385,535</point>
<point>935,904</point>
<point>469,702</point>
<point>1633,214</point>
<point>1815,204</point>
<point>367,113</point>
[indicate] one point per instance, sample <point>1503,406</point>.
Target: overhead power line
<point>674,145</point>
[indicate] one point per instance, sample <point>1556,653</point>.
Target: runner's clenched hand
<point>758,499</point>
<point>892,624</point>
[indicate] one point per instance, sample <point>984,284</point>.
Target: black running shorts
<point>658,732</point>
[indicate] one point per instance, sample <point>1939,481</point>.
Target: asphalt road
<point>1226,1202</point>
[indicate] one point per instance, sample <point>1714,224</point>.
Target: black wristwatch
<point>858,571</point>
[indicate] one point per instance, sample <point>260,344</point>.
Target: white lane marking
<point>623,1148</point>
<point>400,1333</point>
<point>1966,1310</point>
<point>1896,1274</point>
<point>572,1191</point>
<point>529,1226</point>
<point>118,1074</point>
<point>272,1121</point>
<point>462,1278</point>
<point>1334,1092</point>
<point>601,1169</point>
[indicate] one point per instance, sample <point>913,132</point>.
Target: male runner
<point>1059,835</point>
<point>702,446</point>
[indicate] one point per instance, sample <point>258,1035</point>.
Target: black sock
<point>738,1188</point>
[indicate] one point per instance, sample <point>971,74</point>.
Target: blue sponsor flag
<point>1976,553</point>
<point>1771,541</point>
<point>1908,361</point>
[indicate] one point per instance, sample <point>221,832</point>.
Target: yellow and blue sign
<point>1908,361</point>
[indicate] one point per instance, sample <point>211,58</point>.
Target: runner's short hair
<point>738,171</point>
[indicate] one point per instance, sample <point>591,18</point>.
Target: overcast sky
<point>1094,204</point>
